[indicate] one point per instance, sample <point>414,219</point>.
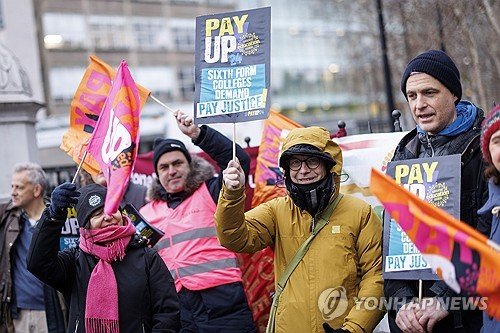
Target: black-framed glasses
<point>312,163</point>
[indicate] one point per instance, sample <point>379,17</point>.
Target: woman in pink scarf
<point>112,281</point>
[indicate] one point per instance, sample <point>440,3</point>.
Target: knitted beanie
<point>91,198</point>
<point>438,65</point>
<point>490,125</point>
<point>162,146</point>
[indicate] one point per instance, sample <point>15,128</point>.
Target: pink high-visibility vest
<point>190,247</point>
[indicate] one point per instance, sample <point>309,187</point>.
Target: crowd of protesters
<point>112,281</point>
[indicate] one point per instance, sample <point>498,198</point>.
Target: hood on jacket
<point>201,171</point>
<point>318,137</point>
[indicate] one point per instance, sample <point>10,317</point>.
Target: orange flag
<point>461,256</point>
<point>267,172</point>
<point>86,107</point>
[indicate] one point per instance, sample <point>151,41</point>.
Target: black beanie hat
<point>438,65</point>
<point>162,146</point>
<point>91,199</point>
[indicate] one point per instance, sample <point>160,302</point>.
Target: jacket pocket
<point>337,260</point>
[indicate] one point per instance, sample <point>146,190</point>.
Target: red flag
<point>461,256</point>
<point>115,139</point>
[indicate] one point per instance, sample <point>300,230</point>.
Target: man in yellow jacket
<point>337,284</point>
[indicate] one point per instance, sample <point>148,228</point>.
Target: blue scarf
<point>466,115</point>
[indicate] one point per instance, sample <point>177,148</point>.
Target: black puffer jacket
<point>147,298</point>
<point>474,193</point>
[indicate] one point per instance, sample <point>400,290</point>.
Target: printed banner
<point>360,153</point>
<point>86,107</point>
<point>115,140</point>
<point>435,180</point>
<point>462,257</point>
<point>232,66</point>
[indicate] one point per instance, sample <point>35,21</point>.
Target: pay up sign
<point>232,66</point>
<point>435,180</point>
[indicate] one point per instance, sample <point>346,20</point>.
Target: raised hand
<point>187,125</point>
<point>62,198</point>
<point>233,176</point>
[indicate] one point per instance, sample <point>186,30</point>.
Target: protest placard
<point>232,66</point>
<point>435,180</point>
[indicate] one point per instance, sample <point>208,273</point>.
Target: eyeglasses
<point>312,163</point>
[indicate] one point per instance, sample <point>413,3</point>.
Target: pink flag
<point>115,139</point>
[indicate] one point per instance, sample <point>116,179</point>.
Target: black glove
<point>329,329</point>
<point>62,198</point>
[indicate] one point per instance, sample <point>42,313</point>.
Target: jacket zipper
<point>430,144</point>
<point>313,222</point>
<point>76,326</point>
<point>143,329</point>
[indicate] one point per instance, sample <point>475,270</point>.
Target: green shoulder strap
<point>301,252</point>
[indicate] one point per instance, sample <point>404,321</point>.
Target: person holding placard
<point>184,194</point>
<point>446,125</point>
<point>327,246</point>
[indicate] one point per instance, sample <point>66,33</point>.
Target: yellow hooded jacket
<point>344,258</point>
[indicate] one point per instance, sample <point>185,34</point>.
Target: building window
<point>149,33</point>
<point>183,39</point>
<point>222,2</point>
<point>64,81</point>
<point>64,30</point>
<point>109,32</point>
<point>1,15</point>
<point>159,79</point>
<point>185,79</point>
<point>183,34</point>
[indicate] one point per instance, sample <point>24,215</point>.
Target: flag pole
<point>419,291</point>
<point>234,141</point>
<point>79,167</point>
<point>159,102</point>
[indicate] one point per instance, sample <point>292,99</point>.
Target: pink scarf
<point>101,309</point>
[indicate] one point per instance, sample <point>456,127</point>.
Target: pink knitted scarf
<point>108,244</point>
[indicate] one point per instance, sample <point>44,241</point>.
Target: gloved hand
<point>329,329</point>
<point>63,197</point>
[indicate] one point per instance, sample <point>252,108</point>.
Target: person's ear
<point>37,191</point>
